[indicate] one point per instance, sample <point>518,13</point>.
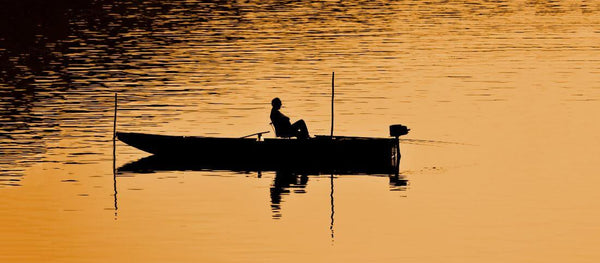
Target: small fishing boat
<point>320,153</point>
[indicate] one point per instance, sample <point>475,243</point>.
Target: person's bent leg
<point>301,130</point>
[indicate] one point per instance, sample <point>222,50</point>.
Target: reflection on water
<point>500,95</point>
<point>283,183</point>
<point>289,178</point>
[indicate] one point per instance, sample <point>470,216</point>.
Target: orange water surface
<point>501,164</point>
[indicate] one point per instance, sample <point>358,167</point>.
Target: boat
<point>340,154</point>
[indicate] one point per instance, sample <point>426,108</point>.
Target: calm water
<point>500,166</point>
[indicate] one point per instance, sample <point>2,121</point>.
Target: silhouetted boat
<point>158,163</point>
<point>317,154</point>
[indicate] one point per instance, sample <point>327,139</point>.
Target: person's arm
<point>284,118</point>
<point>280,119</point>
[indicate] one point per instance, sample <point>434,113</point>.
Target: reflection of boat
<point>321,154</point>
<point>155,163</point>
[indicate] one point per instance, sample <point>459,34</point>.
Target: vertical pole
<point>332,209</point>
<point>115,122</point>
<point>115,157</point>
<point>332,96</point>
<point>331,178</point>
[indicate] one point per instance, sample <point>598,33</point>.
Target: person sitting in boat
<point>283,127</point>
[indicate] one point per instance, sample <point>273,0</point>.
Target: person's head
<point>276,103</point>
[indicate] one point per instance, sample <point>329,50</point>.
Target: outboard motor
<point>396,131</point>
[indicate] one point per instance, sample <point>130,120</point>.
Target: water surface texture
<point>501,163</point>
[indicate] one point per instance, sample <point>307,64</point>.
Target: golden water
<point>502,98</point>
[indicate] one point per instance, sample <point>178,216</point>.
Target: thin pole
<point>331,178</point>
<point>332,209</point>
<point>115,157</point>
<point>115,122</point>
<point>332,96</point>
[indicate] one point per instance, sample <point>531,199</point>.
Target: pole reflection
<point>287,181</point>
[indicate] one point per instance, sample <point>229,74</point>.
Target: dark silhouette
<point>283,127</point>
<point>283,182</point>
<point>288,179</point>
<point>340,155</point>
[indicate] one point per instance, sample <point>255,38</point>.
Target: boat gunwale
<point>315,138</point>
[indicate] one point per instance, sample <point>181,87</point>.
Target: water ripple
<point>196,63</point>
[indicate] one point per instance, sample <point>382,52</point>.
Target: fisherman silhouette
<point>283,182</point>
<point>283,127</point>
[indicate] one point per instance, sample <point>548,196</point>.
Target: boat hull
<point>321,153</point>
